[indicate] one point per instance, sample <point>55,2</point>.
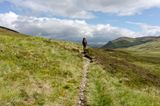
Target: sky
<point>98,20</point>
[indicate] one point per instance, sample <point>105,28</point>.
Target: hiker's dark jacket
<point>84,42</point>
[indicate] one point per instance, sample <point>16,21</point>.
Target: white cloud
<point>147,30</point>
<point>83,9</point>
<point>66,8</point>
<point>72,29</point>
<point>63,28</point>
<point>8,19</point>
<point>120,7</point>
<point>150,30</point>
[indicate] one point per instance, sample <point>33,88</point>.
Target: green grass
<point>36,71</point>
<point>125,42</point>
<point>122,64</point>
<point>120,78</point>
<point>104,89</point>
<point>150,48</point>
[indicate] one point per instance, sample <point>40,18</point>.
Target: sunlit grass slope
<point>120,78</point>
<point>36,71</point>
<point>150,48</point>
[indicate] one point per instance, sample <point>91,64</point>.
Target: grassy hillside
<point>150,48</point>
<point>38,72</point>
<point>120,78</point>
<point>126,77</point>
<point>124,42</point>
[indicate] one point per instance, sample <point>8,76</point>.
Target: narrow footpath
<point>82,99</point>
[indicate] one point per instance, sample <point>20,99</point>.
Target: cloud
<point>150,30</point>
<point>147,30</point>
<point>65,8</point>
<point>84,9</point>
<point>120,7</point>
<point>65,29</point>
<point>8,19</point>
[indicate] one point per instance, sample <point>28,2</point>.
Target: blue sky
<point>99,20</point>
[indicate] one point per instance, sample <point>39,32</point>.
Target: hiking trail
<point>82,99</point>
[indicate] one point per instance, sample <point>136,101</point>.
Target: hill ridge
<point>2,27</point>
<point>124,42</point>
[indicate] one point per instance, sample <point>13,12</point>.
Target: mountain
<point>124,42</point>
<point>36,71</point>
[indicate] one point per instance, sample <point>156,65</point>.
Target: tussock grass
<point>122,78</point>
<point>123,65</point>
<point>106,90</point>
<point>36,71</point>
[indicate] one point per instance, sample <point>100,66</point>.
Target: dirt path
<point>82,98</point>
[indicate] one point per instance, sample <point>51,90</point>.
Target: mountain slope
<point>124,79</point>
<point>152,48</point>
<point>124,42</point>
<point>127,76</point>
<point>37,71</point>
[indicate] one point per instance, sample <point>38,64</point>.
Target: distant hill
<point>152,47</point>
<point>124,42</point>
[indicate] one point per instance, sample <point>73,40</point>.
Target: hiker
<point>84,43</point>
<point>85,50</point>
